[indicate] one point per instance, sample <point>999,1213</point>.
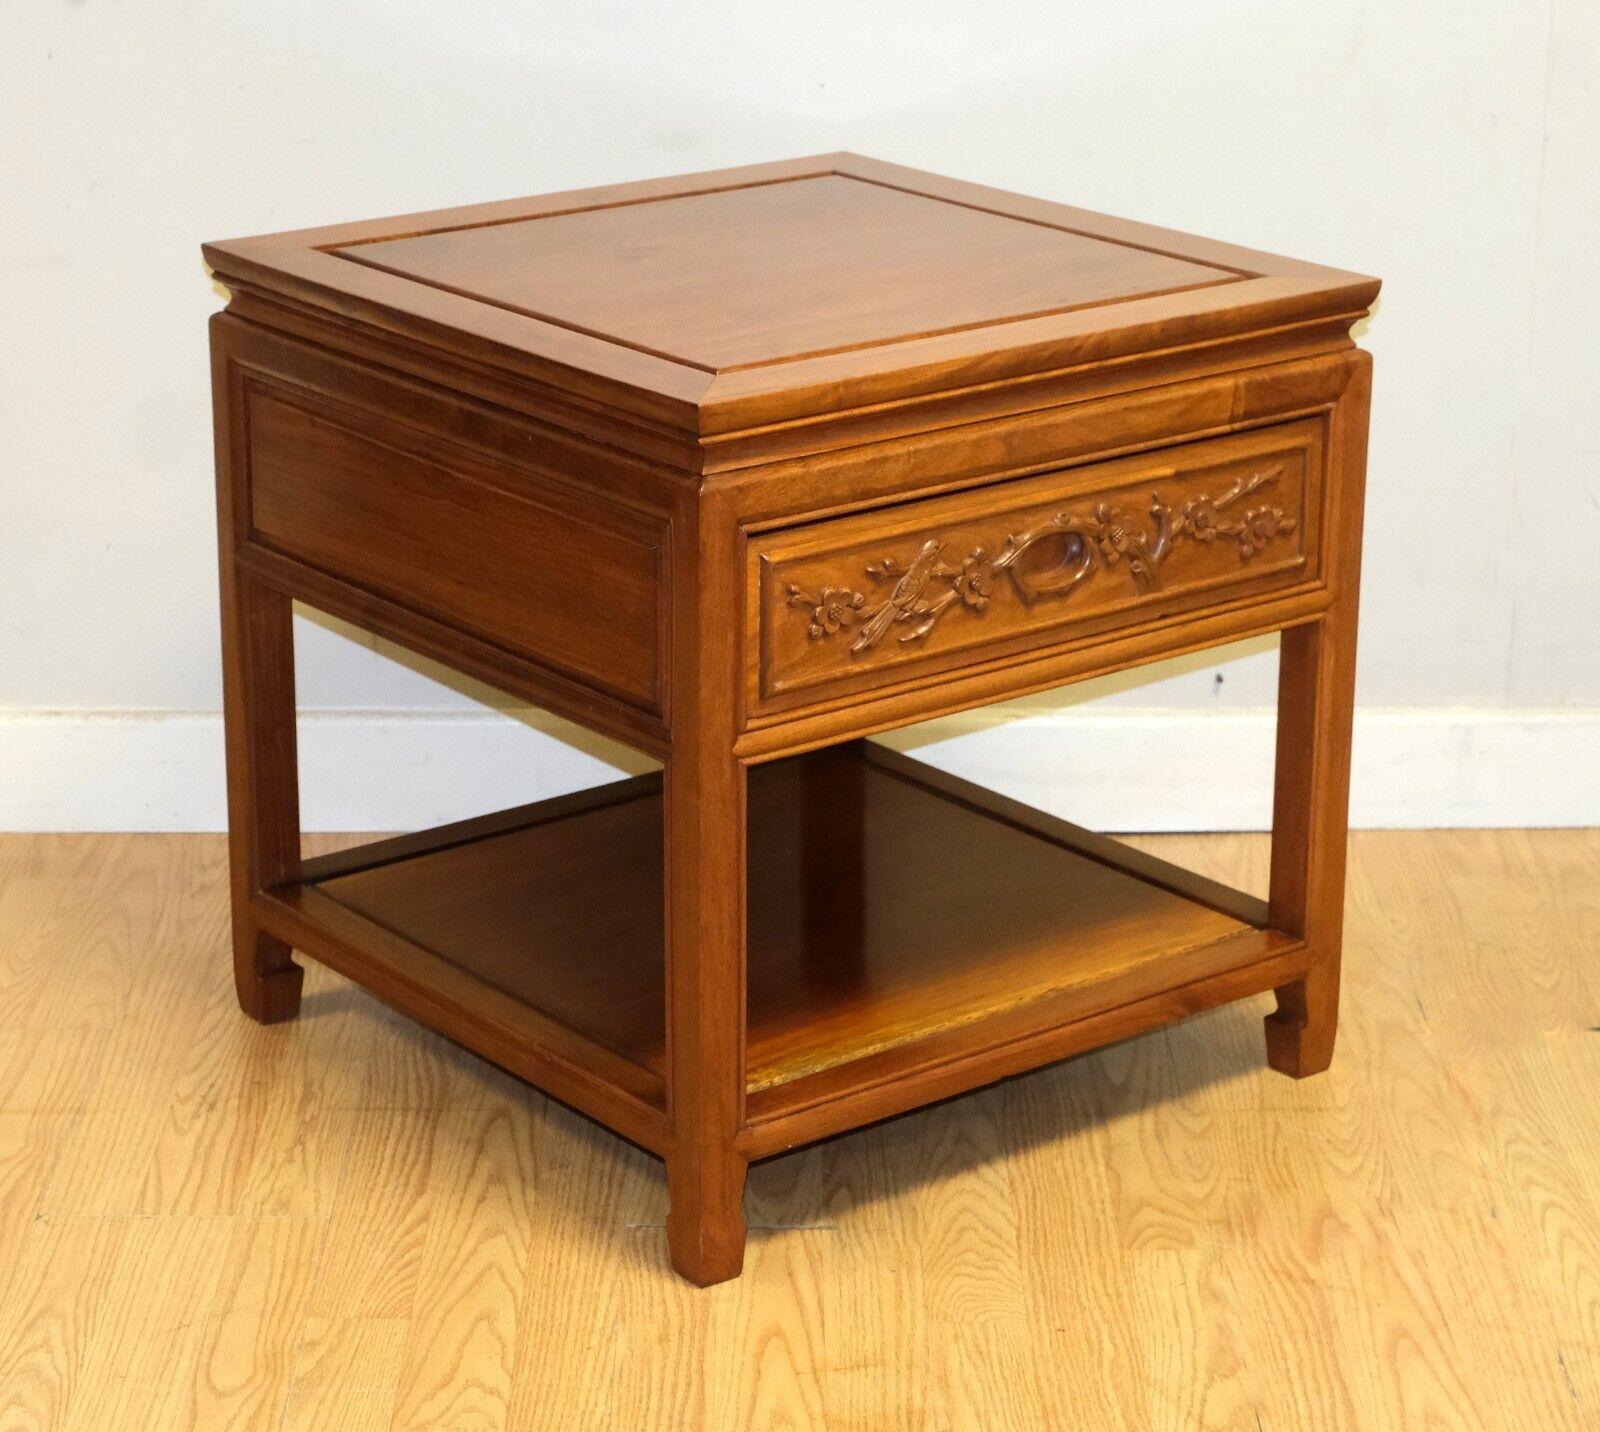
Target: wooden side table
<point>740,468</point>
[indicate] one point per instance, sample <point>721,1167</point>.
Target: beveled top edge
<point>1272,291</point>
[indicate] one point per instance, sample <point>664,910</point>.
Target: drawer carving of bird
<point>905,603</point>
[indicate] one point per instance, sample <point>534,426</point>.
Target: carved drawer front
<point>866,601</point>
<point>505,555</point>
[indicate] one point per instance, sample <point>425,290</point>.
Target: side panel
<point>474,536</point>
<point>503,557</point>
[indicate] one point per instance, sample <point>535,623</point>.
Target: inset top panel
<point>774,272</point>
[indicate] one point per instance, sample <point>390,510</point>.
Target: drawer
<point>505,555</point>
<point>867,601</point>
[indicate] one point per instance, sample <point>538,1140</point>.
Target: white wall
<point>1450,146</point>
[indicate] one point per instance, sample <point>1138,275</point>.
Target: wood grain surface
<point>479,547</point>
<point>971,917</point>
<point>698,278</point>
<point>345,1222</point>
<point>708,303</point>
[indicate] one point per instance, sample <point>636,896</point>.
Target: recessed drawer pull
<point>930,586</point>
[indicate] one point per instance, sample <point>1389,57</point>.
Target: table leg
<point>1316,706</point>
<point>705,862</point>
<point>1308,841</point>
<point>833,875</point>
<point>263,794</point>
<point>705,820</point>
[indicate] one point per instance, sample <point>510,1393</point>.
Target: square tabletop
<point>778,290</point>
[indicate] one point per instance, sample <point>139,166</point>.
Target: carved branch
<point>1104,537</point>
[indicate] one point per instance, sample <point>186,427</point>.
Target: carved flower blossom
<point>1260,526</point>
<point>1111,535</point>
<point>975,581</point>
<point>836,607</point>
<point>1200,517</point>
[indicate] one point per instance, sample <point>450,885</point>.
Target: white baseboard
<point>1117,770</point>
<point>1177,770</point>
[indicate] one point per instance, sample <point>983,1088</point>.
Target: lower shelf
<point>899,919</point>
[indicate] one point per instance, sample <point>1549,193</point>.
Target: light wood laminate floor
<point>345,1223</point>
